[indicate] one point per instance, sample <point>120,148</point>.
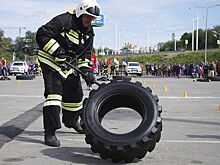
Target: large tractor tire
<point>128,146</point>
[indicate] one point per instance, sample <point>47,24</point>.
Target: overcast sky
<point>133,18</point>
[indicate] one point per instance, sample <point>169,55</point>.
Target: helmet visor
<point>94,10</point>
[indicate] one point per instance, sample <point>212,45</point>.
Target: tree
<point>168,46</point>
<point>201,39</point>
<point>183,38</point>
<point>5,43</point>
<point>30,42</point>
<point>211,39</point>
<point>217,29</point>
<point>216,33</point>
<point>25,46</point>
<point>1,34</point>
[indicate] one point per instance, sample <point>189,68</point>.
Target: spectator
<point>3,63</point>
<point>211,72</point>
<point>218,68</point>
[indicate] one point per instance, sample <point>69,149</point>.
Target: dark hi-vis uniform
<point>63,87</point>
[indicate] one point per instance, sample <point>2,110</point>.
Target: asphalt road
<point>191,125</point>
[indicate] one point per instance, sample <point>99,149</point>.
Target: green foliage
<point>168,46</point>
<point>7,55</point>
<point>195,57</point>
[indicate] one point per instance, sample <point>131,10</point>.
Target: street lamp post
<point>197,32</point>
<point>148,48</point>
<point>116,38</point>
<point>193,36</point>
<point>116,34</point>
<point>119,39</point>
<point>148,37</point>
<point>206,22</point>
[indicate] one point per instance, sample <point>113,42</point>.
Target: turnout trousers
<point>60,94</point>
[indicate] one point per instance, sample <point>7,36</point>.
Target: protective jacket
<point>65,32</point>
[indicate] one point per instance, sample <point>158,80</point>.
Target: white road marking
<point>190,141</point>
<point>186,117</point>
<point>173,97</point>
<point>163,141</point>
<point>78,140</point>
<point>28,96</point>
<point>161,97</point>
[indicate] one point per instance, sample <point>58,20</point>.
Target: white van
<point>18,67</point>
<point>134,68</point>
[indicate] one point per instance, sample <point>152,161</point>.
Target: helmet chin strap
<point>81,26</point>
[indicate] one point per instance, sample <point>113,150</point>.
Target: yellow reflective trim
<point>54,97</point>
<point>72,104</point>
<point>74,40</point>
<point>75,34</point>
<point>54,48</point>
<point>72,109</point>
<point>54,66</point>
<point>45,55</point>
<point>71,10</point>
<point>49,44</point>
<point>54,102</point>
<point>60,59</point>
<point>83,61</point>
<point>62,34</point>
<point>83,65</point>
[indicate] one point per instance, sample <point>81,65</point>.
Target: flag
<point>13,56</point>
<point>116,61</point>
<point>125,62</point>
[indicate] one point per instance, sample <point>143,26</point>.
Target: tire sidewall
<point>91,118</point>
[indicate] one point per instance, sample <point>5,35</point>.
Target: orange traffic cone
<point>165,88</point>
<point>185,94</point>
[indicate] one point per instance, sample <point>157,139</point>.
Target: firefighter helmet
<point>89,7</point>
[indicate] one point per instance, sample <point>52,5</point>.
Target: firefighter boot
<point>51,140</point>
<point>77,127</point>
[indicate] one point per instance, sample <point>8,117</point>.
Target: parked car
<point>18,67</point>
<point>134,68</point>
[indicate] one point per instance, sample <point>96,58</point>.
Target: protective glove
<point>60,58</point>
<point>89,75</point>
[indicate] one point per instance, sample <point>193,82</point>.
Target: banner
<point>125,62</point>
<point>116,61</point>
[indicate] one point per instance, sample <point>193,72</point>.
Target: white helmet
<point>89,7</point>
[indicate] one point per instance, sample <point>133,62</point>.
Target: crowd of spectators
<point>189,69</point>
<point>184,70</point>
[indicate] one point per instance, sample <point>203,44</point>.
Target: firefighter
<point>67,37</point>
